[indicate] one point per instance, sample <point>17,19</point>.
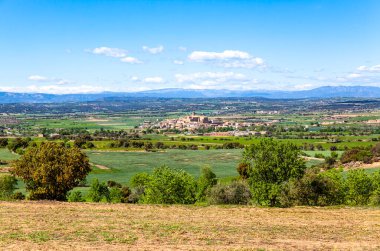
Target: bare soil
<point>88,226</point>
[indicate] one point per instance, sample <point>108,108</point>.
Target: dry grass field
<point>84,226</point>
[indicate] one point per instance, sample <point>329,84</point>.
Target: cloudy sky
<point>94,46</point>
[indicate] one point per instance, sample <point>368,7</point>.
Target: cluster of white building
<point>195,122</point>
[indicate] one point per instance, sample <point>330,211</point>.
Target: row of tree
<point>272,173</point>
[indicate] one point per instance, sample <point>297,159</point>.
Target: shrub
<point>8,184</point>
<point>375,196</point>
<point>206,180</point>
<point>18,196</point>
<point>170,186</point>
<point>140,179</point>
<point>313,189</point>
<point>75,196</point>
<point>359,186</point>
<point>89,145</point>
<point>136,194</point>
<point>319,155</point>
<point>235,193</point>
<point>18,143</point>
<point>116,195</point>
<point>356,155</point>
<point>243,171</point>
<point>376,150</point>
<point>50,170</point>
<point>125,193</point>
<point>112,183</point>
<point>3,142</point>
<point>98,191</point>
<point>330,160</point>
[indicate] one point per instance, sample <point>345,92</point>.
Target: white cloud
<point>153,50</point>
<point>375,68</point>
<point>215,80</point>
<point>110,52</point>
<point>55,89</point>
<point>214,76</point>
<point>227,58</point>
<point>179,62</point>
<point>42,79</point>
<point>153,80</point>
<point>130,60</point>
<point>353,75</point>
<point>38,78</point>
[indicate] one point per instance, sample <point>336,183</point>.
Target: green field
<point>7,155</point>
<point>123,165</point>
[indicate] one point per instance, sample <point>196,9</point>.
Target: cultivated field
<point>74,226</point>
<point>123,165</point>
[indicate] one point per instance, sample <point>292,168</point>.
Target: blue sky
<point>93,46</point>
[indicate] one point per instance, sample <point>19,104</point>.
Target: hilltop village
<point>212,126</point>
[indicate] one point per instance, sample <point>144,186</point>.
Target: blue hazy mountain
<point>321,92</point>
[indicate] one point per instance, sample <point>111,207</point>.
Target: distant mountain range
<point>321,92</point>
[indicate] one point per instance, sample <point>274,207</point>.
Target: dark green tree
<point>50,170</point>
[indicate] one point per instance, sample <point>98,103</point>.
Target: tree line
<point>271,173</point>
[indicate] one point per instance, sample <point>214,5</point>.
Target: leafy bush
<point>376,150</point>
<point>136,194</point>
<point>119,194</point>
<point>331,160</point>
<point>356,154</point>
<point>140,180</point>
<point>18,196</point>
<point>359,186</point>
<point>205,181</point>
<point>98,191</point>
<point>112,183</point>
<point>3,142</point>
<point>235,193</point>
<point>375,196</point>
<point>170,186</point>
<point>8,184</point>
<point>243,171</point>
<point>116,195</point>
<point>319,155</point>
<point>75,196</point>
<point>18,143</point>
<point>313,189</point>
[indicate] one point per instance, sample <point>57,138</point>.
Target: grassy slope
<point>78,226</point>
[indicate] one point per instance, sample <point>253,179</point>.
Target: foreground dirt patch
<point>78,226</point>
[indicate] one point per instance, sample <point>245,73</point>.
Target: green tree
<point>205,181</point>
<point>75,196</point>
<point>359,186</point>
<point>170,186</point>
<point>8,184</point>
<point>375,196</point>
<point>272,163</point>
<point>50,170</point>
<point>98,191</point>
<point>315,188</point>
<point>237,192</point>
